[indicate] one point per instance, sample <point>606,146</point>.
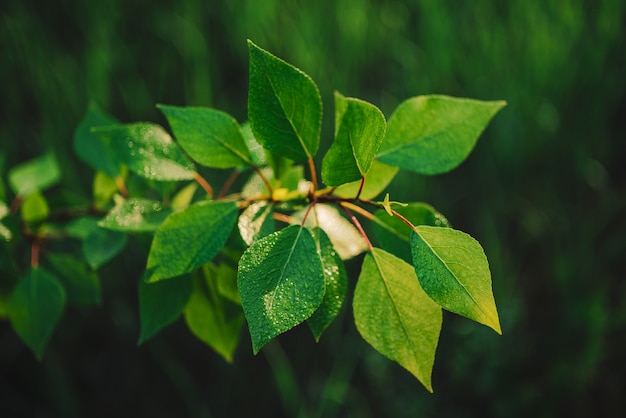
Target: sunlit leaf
<point>395,316</point>
<point>336,283</point>
<point>35,306</point>
<point>376,181</point>
<point>104,187</point>
<point>281,283</point>
<point>34,175</point>
<point>434,134</point>
<point>284,106</point>
<point>453,270</point>
<point>359,131</point>
<point>188,239</point>
<point>211,137</point>
<point>161,303</point>
<point>184,196</point>
<point>148,151</point>
<point>136,215</point>
<point>212,318</point>
<point>35,208</point>
<point>256,222</point>
<point>346,239</point>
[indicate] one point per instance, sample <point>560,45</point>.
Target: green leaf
<point>34,175</point>
<point>453,270</point>
<point>101,245</point>
<point>336,283</point>
<point>211,137</point>
<point>256,222</point>
<point>359,131</point>
<point>5,233</point>
<point>161,303</point>
<point>434,134</point>
<point>35,307</point>
<point>394,315</point>
<point>281,283</point>
<point>257,152</point>
<point>188,239</point>
<point>394,235</point>
<point>92,149</point>
<point>148,151</point>
<point>227,282</point>
<point>284,106</point>
<point>212,318</point>
<point>136,215</point>
<point>104,187</point>
<point>34,208</point>
<point>376,181</point>
<point>81,284</point>
<point>184,196</point>
<point>346,239</point>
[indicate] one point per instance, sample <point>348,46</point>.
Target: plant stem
<point>204,184</point>
<point>34,255</point>
<point>360,188</point>
<point>358,210</point>
<point>121,186</point>
<point>284,218</point>
<point>403,219</point>
<point>356,223</point>
<point>229,182</point>
<point>313,174</point>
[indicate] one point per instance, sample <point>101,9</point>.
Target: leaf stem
<point>403,219</point>
<point>121,186</point>
<point>358,210</point>
<point>360,188</point>
<point>313,174</point>
<point>284,218</point>
<point>204,184</point>
<point>265,181</point>
<point>306,214</point>
<point>356,223</point>
<point>229,182</point>
<point>34,256</point>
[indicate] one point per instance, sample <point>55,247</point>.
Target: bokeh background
<point>544,192</point>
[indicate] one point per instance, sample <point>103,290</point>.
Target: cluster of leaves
<point>271,254</point>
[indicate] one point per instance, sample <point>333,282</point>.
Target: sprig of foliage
<point>272,253</point>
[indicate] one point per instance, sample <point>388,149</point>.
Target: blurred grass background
<point>544,192</point>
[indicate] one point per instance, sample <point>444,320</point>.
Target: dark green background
<point>544,192</point>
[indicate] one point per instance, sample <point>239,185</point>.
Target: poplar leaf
<point>359,131</point>
<point>211,137</point>
<point>336,283</point>
<point>37,174</point>
<point>453,270</point>
<point>434,134</point>
<point>281,283</point>
<point>188,239</point>
<point>136,215</point>
<point>213,318</point>
<point>284,106</point>
<point>35,307</point>
<point>148,151</point>
<point>394,315</point>
<point>256,222</point>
